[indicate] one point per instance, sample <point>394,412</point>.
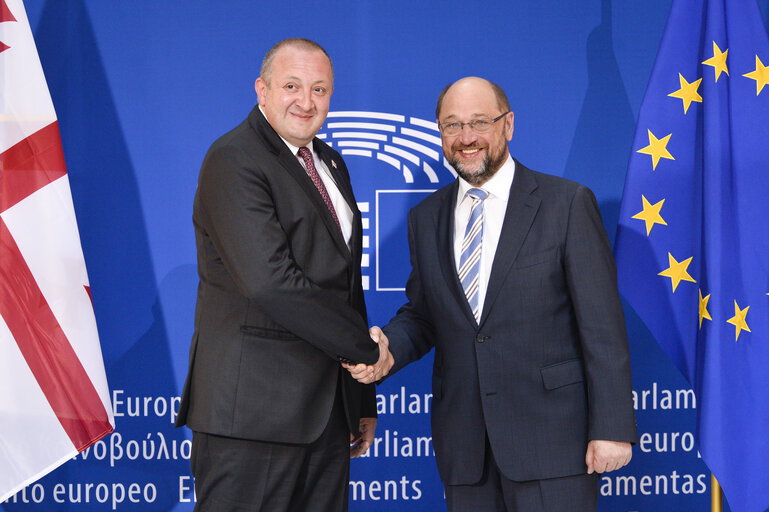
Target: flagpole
<point>716,495</point>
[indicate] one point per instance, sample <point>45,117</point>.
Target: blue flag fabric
<point>692,244</point>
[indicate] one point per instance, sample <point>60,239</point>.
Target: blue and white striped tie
<point>470,258</point>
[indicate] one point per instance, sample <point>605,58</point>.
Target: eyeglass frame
<point>471,124</point>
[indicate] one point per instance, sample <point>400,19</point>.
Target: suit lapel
<point>444,225</point>
<point>343,185</point>
<point>290,163</point>
<point>522,207</point>
<point>342,180</point>
<point>335,168</point>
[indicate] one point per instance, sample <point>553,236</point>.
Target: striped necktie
<point>470,258</point>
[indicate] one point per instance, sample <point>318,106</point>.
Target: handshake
<point>366,374</point>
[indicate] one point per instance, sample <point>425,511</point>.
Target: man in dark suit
<point>514,284</point>
<point>280,303</point>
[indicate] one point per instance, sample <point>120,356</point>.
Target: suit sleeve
<point>368,402</point>
<point>243,226</point>
<point>592,280</point>
<point>410,332</point>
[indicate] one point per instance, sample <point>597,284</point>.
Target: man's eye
<point>290,86</point>
<point>320,90</point>
<point>453,126</point>
<point>481,123</point>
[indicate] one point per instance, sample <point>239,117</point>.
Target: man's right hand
<point>366,374</point>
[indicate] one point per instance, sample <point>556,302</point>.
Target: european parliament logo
<point>395,161</point>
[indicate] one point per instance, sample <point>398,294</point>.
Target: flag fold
<point>692,244</point>
<point>54,399</point>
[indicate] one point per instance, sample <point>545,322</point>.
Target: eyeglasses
<point>477,125</point>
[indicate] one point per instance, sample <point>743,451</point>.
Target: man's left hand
<point>605,456</point>
<point>359,445</point>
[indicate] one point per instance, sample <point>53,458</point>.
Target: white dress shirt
<point>343,211</point>
<point>494,207</point>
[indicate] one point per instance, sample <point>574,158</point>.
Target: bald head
<point>473,85</point>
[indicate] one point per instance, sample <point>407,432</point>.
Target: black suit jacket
<point>547,368</point>
<point>280,296</point>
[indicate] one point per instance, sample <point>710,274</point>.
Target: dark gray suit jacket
<point>280,296</point>
<point>548,367</point>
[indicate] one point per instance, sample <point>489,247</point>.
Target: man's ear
<point>260,86</point>
<point>509,118</point>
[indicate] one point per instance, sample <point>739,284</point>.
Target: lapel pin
<point>333,164</point>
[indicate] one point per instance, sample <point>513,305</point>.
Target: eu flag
<point>692,244</point>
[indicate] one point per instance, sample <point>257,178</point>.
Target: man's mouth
<point>469,151</point>
<point>303,117</point>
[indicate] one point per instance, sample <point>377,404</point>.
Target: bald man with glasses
<point>514,284</point>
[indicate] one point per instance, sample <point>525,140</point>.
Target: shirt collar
<point>499,184</point>
<point>294,149</point>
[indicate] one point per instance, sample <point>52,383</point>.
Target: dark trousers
<point>495,493</point>
<point>239,475</point>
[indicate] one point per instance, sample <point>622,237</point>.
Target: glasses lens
<point>478,126</point>
<point>451,128</point>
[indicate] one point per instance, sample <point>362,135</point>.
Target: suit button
<point>480,338</point>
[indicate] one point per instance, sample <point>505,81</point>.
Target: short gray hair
<point>296,42</point>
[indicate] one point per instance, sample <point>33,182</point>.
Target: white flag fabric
<point>54,399</point>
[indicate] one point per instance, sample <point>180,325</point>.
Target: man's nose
<point>467,135</point>
<point>305,100</point>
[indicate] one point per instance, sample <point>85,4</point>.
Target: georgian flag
<point>54,400</point>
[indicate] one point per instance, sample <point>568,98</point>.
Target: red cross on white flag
<point>54,400</point>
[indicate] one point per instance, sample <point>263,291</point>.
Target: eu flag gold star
<point>677,271</point>
<point>657,148</point>
<point>718,61</point>
<point>688,92</point>
<point>760,75</point>
<point>704,308</point>
<point>739,320</point>
<point>650,214</point>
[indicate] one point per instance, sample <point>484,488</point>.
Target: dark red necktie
<point>306,155</point>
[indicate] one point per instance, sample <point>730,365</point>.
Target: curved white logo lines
<point>389,138</point>
<point>410,145</point>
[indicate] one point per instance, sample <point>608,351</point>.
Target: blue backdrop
<point>141,90</point>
